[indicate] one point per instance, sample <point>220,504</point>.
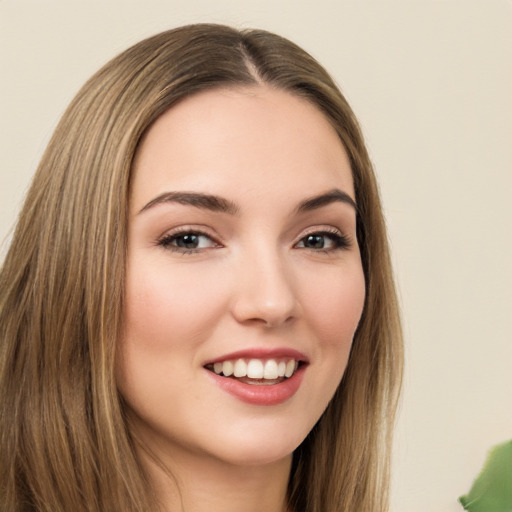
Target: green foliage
<point>492,490</point>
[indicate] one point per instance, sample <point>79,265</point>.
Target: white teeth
<point>240,369</point>
<point>227,368</point>
<point>270,371</point>
<point>290,368</point>
<point>255,369</point>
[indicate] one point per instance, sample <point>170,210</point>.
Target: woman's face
<point>243,265</point>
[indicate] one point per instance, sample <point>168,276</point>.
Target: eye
<point>324,241</point>
<point>187,242</point>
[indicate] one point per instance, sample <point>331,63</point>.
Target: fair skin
<point>242,247</point>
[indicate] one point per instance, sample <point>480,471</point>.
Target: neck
<point>197,483</point>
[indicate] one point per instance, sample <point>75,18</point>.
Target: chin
<point>260,447</point>
<point>257,458</point>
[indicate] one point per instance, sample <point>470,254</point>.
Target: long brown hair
<point>64,443</point>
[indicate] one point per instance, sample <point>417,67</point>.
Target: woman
<point>197,307</point>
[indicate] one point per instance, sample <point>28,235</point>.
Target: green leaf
<point>492,490</point>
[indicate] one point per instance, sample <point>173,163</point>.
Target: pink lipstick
<point>259,376</point>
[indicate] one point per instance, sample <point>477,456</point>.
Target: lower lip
<point>254,394</point>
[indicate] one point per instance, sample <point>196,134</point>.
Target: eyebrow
<point>199,200</point>
<point>333,196</point>
<point>222,205</point>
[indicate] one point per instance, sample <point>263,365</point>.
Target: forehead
<point>243,139</point>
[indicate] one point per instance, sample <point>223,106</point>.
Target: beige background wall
<point>431,82</point>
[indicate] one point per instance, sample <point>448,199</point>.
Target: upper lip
<point>261,353</point>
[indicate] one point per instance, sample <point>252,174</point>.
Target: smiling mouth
<point>256,371</point>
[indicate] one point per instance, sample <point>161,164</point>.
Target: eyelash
<point>167,241</point>
<point>339,241</point>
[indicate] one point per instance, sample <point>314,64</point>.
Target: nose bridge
<point>265,288</point>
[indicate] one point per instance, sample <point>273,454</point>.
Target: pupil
<point>187,241</point>
<point>315,241</point>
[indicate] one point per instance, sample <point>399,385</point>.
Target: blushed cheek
<point>339,309</point>
<point>167,311</point>
<point>146,313</point>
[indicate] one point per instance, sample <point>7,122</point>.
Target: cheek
<point>167,316</point>
<point>335,307</point>
<point>166,309</point>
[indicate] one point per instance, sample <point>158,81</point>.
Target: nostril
<point>250,311</point>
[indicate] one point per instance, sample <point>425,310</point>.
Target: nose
<point>265,291</point>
